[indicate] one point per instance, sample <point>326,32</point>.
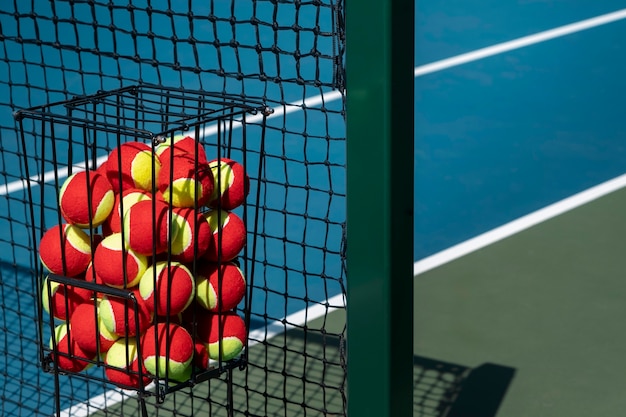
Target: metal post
<point>380,144</point>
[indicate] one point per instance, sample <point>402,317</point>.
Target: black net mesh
<point>287,55</point>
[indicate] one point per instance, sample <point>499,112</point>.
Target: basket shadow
<point>444,389</point>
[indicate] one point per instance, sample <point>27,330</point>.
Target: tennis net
<point>286,54</point>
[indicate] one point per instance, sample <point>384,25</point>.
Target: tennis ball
<point>180,145</point>
<point>118,265</point>
<point>88,329</point>
<point>147,227</point>
<point>120,316</point>
<point>91,276</point>
<point>167,351</point>
<point>228,229</point>
<point>122,364</point>
<point>219,287</point>
<point>61,300</point>
<point>193,235</point>
<point>126,199</point>
<point>67,354</point>
<point>81,189</point>
<point>65,250</point>
<point>223,334</point>
<point>130,166</point>
<point>167,290</point>
<point>231,184</point>
<point>185,181</point>
<point>200,356</point>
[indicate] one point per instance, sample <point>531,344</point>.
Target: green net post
<point>380,143</point>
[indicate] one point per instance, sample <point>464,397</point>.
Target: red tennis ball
<point>118,265</point>
<point>200,356</point>
<point>223,334</point>
<point>131,165</point>
<point>91,276</point>
<point>147,227</point>
<point>67,354</point>
<point>167,290</point>
<point>193,235</point>
<point>81,189</point>
<point>127,199</point>
<point>185,181</point>
<point>65,250</point>
<point>219,287</point>
<point>181,145</point>
<point>122,317</point>
<point>88,330</point>
<point>231,184</point>
<point>167,351</point>
<point>123,364</point>
<point>61,300</point>
<point>228,229</point>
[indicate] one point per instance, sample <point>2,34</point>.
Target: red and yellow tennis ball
<point>231,184</point>
<point>167,351</point>
<point>79,191</point>
<point>167,289</point>
<point>122,364</point>
<point>147,227</point>
<point>193,235</point>
<point>223,334</point>
<point>61,300</point>
<point>66,353</point>
<point>125,201</point>
<point>118,265</point>
<point>228,235</point>
<point>65,250</point>
<point>123,317</point>
<point>219,287</point>
<point>181,145</point>
<point>131,165</point>
<point>185,181</point>
<point>88,330</point>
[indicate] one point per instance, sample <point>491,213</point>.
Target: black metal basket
<point>79,135</point>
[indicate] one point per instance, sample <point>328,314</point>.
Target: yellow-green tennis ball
<point>219,287</point>
<point>193,235</point>
<point>126,200</point>
<point>231,184</point>
<point>119,315</point>
<point>168,288</point>
<point>185,181</point>
<point>60,300</point>
<point>182,144</point>
<point>122,364</point>
<point>88,330</point>
<point>230,326</point>
<point>65,250</point>
<point>116,264</point>
<point>147,227</point>
<point>175,351</point>
<point>67,354</point>
<point>130,166</point>
<point>78,191</point>
<point>228,229</point>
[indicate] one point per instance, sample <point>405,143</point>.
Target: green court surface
<point>537,319</point>
<point>528,326</point>
<point>259,390</point>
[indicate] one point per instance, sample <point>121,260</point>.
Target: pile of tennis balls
<point>158,222</point>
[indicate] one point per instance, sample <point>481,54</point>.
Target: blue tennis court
<point>500,134</point>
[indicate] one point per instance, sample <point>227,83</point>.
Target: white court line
<point>418,72</point>
<point>292,321</point>
<point>520,42</point>
<point>486,238</point>
<point>518,225</point>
